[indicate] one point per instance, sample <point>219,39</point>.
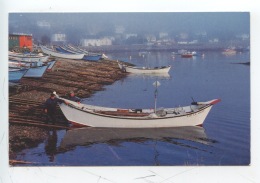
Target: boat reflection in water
<point>88,136</point>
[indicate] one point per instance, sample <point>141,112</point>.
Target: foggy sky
<point>86,23</point>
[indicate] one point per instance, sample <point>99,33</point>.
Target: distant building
<point>96,42</point>
<point>43,24</point>
<point>193,42</point>
<point>215,40</point>
<point>58,38</point>
<point>243,37</point>
<point>163,35</point>
<point>130,35</point>
<point>20,41</point>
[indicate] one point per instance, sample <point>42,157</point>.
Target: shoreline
<point>26,117</point>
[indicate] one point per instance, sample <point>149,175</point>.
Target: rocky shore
<point>26,98</point>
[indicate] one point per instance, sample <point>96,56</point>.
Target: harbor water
<point>224,138</point>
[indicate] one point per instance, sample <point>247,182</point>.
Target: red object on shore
<point>25,41</point>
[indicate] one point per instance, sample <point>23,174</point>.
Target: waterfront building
<point>20,41</point>
<point>130,35</point>
<point>163,35</point>
<point>96,42</point>
<point>44,24</point>
<point>58,38</point>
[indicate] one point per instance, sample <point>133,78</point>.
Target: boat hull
<point>36,72</point>
<point>62,55</point>
<point>92,119</point>
<point>15,75</point>
<point>29,59</point>
<point>88,57</point>
<point>140,70</point>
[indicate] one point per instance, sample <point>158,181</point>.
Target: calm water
<point>223,140</point>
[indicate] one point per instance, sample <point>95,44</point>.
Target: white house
<point>130,35</point>
<point>43,24</point>
<point>58,38</point>
<point>163,35</point>
<point>96,42</point>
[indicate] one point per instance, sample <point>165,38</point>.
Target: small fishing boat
<point>189,54</point>
<point>87,55</point>
<point>97,116</point>
<point>229,51</point>
<point>27,57</point>
<point>16,74</point>
<point>144,70</point>
<point>33,69</point>
<point>36,72</point>
<point>51,52</point>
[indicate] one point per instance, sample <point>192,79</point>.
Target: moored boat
<point>96,116</point>
<point>144,70</point>
<point>229,51</point>
<point>189,54</point>
<point>48,51</point>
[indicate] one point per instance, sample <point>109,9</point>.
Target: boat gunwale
<point>140,118</point>
<point>50,50</point>
<point>146,68</point>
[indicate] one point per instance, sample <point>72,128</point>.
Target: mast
<point>156,84</point>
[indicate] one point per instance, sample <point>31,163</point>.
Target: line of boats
<point>27,65</point>
<point>35,65</point>
<point>72,52</point>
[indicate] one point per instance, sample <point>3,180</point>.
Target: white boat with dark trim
<point>144,70</point>
<point>96,116</point>
<point>27,57</point>
<point>61,55</point>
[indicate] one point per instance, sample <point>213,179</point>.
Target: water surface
<point>223,140</point>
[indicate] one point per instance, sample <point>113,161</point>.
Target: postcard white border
<point>131,174</point>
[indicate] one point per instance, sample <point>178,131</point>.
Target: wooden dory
<point>144,70</point>
<point>96,116</point>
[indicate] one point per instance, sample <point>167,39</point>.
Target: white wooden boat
<point>61,55</point>
<point>144,70</point>
<point>87,55</point>
<point>27,57</point>
<point>86,136</point>
<point>96,116</point>
<point>229,51</point>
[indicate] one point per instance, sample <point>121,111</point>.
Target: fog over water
<point>80,25</point>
